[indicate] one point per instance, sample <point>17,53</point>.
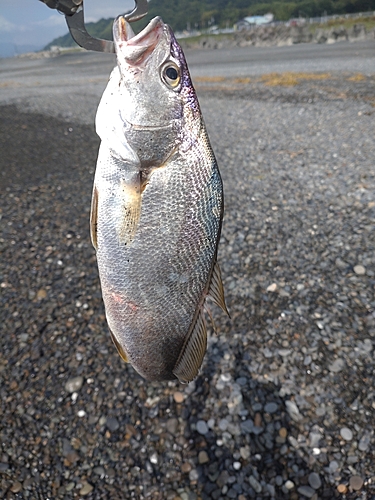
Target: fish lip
<point>124,35</point>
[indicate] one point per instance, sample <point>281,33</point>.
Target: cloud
<point>6,25</point>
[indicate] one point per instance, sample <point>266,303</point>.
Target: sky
<point>29,24</point>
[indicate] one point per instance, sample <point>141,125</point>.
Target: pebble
<point>364,442</point>
<point>255,484</point>
<point>342,488</point>
<point>172,425</point>
<point>74,384</point>
<point>360,270</point>
<point>203,457</point>
<point>289,485</point>
<point>306,491</point>
<point>178,397</point>
<point>272,287</point>
<point>346,434</point>
<point>315,481</point>
<point>337,366</point>
<point>356,483</point>
<point>202,427</point>
<point>185,467</point>
<point>271,408</point>
<point>16,487</point>
<point>112,424</point>
<point>86,489</point>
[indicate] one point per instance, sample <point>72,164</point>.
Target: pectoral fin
<point>193,351</point>
<point>94,219</point>
<point>131,201</point>
<point>216,290</point>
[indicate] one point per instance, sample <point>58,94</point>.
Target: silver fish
<point>157,207</point>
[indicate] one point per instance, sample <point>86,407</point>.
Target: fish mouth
<point>137,48</point>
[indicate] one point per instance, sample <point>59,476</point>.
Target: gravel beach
<point>284,406</point>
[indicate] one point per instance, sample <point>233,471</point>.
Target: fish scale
<point>157,208</point>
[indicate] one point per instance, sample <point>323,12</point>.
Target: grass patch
<point>209,79</point>
<point>357,78</point>
<point>289,79</point>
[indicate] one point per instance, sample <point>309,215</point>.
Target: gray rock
<point>346,434</point>
<point>314,481</point>
<point>271,408</point>
<point>337,366</point>
<point>112,424</point>
<point>306,491</point>
<point>74,384</point>
<point>202,427</point>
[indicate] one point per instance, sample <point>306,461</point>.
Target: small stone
<point>247,426</point>
<point>154,458</point>
<point>337,366</point>
<point>306,491</point>
<point>178,397</point>
<point>333,466</point>
<point>356,482</point>
<point>341,488</point>
<point>41,294</point>
<point>185,467</point>
<point>16,487</point>
<point>360,270</point>
<point>255,484</point>
<point>222,479</point>
<point>245,452</point>
<point>112,424</point>
<point>99,471</point>
<point>283,432</point>
<point>74,384</point>
<point>202,427</point>
<point>203,457</point>
<point>315,481</point>
<point>364,442</point>
<point>272,288</point>
<point>293,411</point>
<point>223,424</point>
<point>289,485</point>
<point>271,408</point>
<point>346,434</point>
<point>69,486</point>
<point>236,465</point>
<point>172,425</point>
<point>193,475</point>
<point>86,489</point>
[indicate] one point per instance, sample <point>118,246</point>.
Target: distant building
<point>250,21</point>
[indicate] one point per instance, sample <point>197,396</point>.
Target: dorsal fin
<point>192,352</point>
<point>216,290</point>
<point>120,349</point>
<point>94,219</point>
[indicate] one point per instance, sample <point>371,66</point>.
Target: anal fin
<point>216,290</point>
<point>119,348</point>
<point>94,218</point>
<point>192,352</point>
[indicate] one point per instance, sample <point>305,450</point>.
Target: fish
<point>157,207</point>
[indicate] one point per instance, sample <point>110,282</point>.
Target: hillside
<point>200,14</point>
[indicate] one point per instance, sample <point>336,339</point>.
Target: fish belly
<point>155,269</point>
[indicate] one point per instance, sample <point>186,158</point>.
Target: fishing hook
<point>76,25</point>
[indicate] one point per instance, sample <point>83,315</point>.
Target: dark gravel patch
<point>284,404</point>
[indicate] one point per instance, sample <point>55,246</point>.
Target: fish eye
<point>171,75</point>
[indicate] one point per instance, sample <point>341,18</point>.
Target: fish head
<point>151,86</point>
